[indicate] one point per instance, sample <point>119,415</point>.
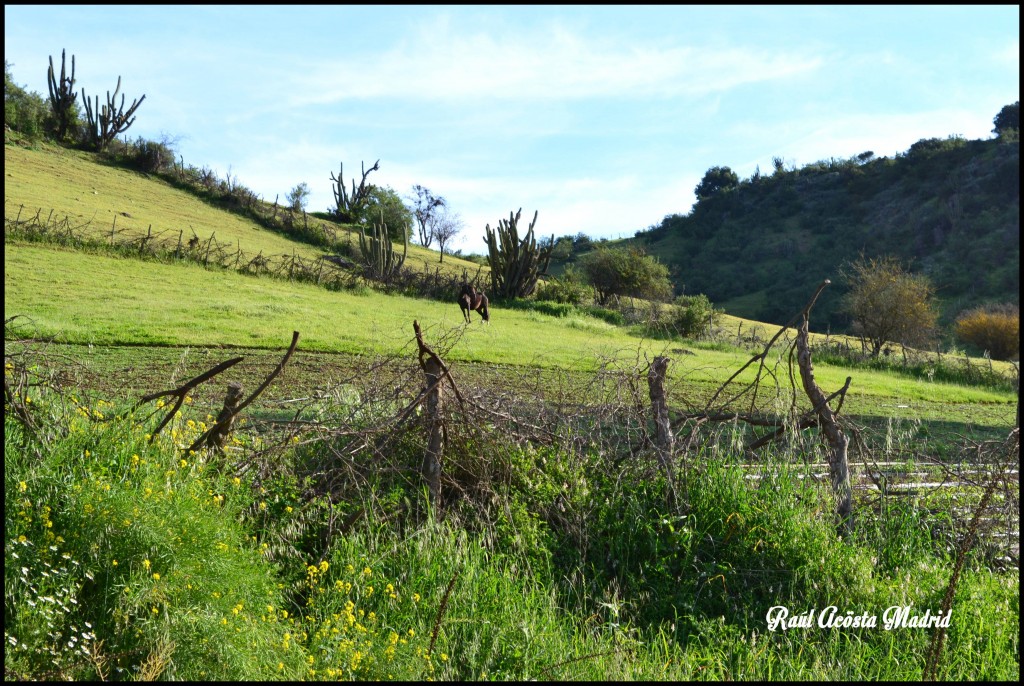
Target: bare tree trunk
<point>839,468</point>
<point>435,372</point>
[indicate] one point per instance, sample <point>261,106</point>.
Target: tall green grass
<point>126,559</point>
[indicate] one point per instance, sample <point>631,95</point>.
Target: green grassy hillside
<point>114,300</point>
<point>98,197</point>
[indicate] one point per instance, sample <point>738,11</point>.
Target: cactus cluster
<point>62,94</point>
<point>106,124</point>
<point>349,206</point>
<point>379,256</point>
<point>515,264</point>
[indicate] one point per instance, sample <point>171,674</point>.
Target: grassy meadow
<point>308,549</point>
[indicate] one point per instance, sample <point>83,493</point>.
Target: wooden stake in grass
<point>227,417</point>
<point>433,370</point>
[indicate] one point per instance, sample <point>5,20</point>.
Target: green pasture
<point>98,299</point>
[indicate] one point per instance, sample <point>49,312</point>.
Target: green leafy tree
<point>384,201</point>
<point>1007,119</point>
<point>889,304</point>
<point>24,111</point>
<point>298,196</point>
<point>693,315</point>
<point>571,288</point>
<point>625,272</point>
<point>716,180</point>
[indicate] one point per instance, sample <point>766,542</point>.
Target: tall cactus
<point>62,94</point>
<point>382,263</point>
<point>515,264</point>
<point>105,124</point>
<point>348,207</point>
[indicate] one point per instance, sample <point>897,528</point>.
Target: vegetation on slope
<point>950,208</point>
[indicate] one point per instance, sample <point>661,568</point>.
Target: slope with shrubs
<point>950,208</point>
<point>311,552</point>
<point>97,196</point>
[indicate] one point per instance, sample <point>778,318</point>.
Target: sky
<point>602,119</point>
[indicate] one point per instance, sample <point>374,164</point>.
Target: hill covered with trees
<point>948,208</point>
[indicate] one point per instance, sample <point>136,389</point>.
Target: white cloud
<point>555,65</point>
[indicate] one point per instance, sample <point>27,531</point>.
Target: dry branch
<point>182,391</point>
<point>225,418</point>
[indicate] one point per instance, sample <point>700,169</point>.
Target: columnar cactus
<point>515,264</point>
<point>378,253</point>
<point>62,94</point>
<point>105,124</point>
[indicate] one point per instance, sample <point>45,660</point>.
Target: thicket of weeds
<point>561,549</point>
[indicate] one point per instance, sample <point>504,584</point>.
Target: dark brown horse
<point>470,300</point>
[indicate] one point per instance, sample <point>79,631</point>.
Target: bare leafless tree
<point>446,226</point>
<point>426,207</point>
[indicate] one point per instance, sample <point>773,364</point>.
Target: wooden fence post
<point>219,435</point>
<point>664,440</point>
<point>434,371</point>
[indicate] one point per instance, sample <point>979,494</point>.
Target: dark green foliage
<point>570,288</point>
<point>951,207</point>
<point>141,154</point>
<point>383,200</point>
<point>716,180</point>
<point>24,111</point>
<point>1007,119</point>
<point>693,315</point>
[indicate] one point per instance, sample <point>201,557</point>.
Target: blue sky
<point>603,119</point>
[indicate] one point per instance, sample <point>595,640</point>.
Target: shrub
<point>693,315</point>
<point>888,303</point>
<point>626,272</point>
<point>992,328</point>
<point>569,289</point>
<point>298,196</point>
<point>24,111</point>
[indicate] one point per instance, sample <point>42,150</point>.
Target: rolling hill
<point>950,209</point>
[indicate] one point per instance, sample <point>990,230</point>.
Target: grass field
<point>102,300</point>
